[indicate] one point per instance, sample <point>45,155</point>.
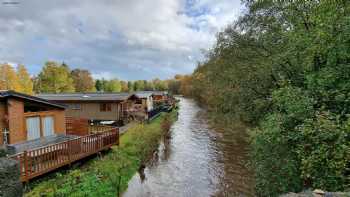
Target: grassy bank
<point>109,175</point>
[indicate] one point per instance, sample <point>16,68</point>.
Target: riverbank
<point>109,175</point>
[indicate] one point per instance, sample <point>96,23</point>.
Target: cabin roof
<point>144,94</point>
<point>160,93</point>
<point>96,96</point>
<point>14,94</point>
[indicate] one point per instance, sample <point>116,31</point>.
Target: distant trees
<point>130,86</point>
<point>181,84</point>
<point>160,84</point>
<point>113,85</point>
<point>139,85</point>
<point>82,80</point>
<point>58,78</point>
<point>124,86</point>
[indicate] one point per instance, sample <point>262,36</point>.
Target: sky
<point>125,39</point>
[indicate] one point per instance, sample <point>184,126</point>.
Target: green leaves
<point>324,152</point>
<point>55,78</point>
<point>284,67</point>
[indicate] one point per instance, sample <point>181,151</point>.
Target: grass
<point>109,175</point>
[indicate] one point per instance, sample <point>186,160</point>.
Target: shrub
<point>323,150</point>
<point>274,160</point>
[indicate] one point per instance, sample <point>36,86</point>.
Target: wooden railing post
<point>25,158</point>
<point>69,152</point>
<point>117,135</point>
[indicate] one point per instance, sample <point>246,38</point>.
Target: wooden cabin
<point>160,97</point>
<point>24,118</point>
<point>144,103</point>
<point>96,107</point>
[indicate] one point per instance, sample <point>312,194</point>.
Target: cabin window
<point>138,101</point>
<point>76,107</point>
<point>105,107</point>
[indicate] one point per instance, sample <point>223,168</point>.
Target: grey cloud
<point>126,39</point>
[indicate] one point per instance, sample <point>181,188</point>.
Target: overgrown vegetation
<point>108,176</point>
<point>284,69</point>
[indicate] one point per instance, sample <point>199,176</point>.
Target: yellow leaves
<point>8,78</point>
<point>24,80</point>
<point>17,80</point>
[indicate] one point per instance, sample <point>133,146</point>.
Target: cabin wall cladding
<point>10,184</point>
<point>16,115</point>
<point>2,121</point>
<point>60,117</point>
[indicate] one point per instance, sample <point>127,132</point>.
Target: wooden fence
<point>77,126</point>
<point>45,159</point>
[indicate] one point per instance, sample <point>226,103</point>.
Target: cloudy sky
<point>127,39</point>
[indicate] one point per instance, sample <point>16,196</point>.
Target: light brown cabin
<point>94,106</point>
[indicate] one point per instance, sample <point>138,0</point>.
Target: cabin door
<point>33,128</point>
<point>48,125</point>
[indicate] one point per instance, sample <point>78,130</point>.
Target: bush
<point>273,159</point>
<point>297,147</point>
<point>323,150</point>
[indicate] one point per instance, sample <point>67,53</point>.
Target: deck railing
<point>99,128</point>
<point>45,159</point>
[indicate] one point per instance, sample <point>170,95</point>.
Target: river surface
<point>195,161</point>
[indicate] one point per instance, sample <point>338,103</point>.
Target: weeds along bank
<point>109,175</point>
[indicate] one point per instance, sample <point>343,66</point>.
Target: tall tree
<point>8,78</point>
<point>24,80</point>
<point>55,78</point>
<point>83,81</point>
<point>99,85</point>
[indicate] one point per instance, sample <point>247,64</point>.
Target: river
<point>195,161</point>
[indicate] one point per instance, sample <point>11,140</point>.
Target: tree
<point>131,86</point>
<point>124,86</point>
<point>113,86</point>
<point>8,78</point>
<point>139,85</point>
<point>83,81</point>
<point>24,80</point>
<point>159,84</point>
<point>174,86</point>
<point>149,86</point>
<point>55,78</point>
<point>99,85</point>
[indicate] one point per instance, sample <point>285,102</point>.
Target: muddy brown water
<point>195,161</point>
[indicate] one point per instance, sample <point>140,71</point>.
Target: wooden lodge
<point>144,103</point>
<point>96,107</point>
<point>25,117</point>
<point>33,130</point>
<point>160,96</point>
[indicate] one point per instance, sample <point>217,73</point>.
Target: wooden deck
<point>42,160</point>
